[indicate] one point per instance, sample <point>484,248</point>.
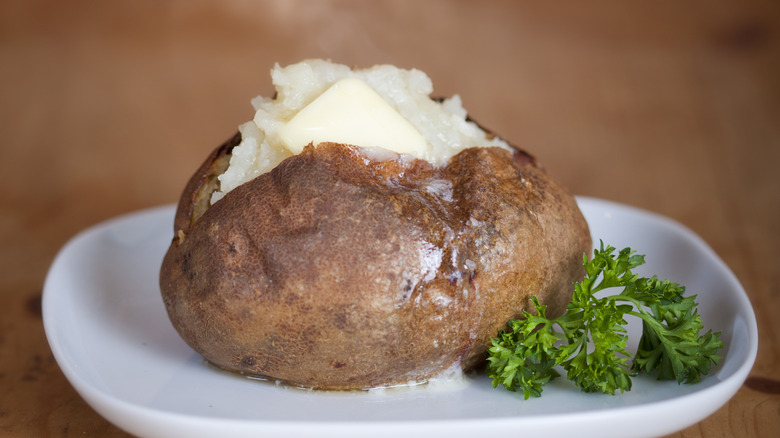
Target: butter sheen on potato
<point>344,268</point>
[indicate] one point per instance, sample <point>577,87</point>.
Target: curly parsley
<point>589,341</point>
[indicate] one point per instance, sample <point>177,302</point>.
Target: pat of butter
<point>353,113</point>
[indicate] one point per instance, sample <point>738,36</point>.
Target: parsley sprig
<point>589,341</point>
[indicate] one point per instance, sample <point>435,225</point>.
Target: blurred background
<point>107,107</point>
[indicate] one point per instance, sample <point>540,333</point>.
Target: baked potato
<point>341,270</point>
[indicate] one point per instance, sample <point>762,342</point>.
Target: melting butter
<point>353,113</point>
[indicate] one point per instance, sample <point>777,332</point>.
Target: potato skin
<point>337,272</point>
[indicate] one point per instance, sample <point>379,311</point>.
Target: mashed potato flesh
<point>443,125</point>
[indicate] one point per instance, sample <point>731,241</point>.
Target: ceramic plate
<point>108,330</point>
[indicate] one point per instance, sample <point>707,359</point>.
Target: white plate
<point>109,332</point>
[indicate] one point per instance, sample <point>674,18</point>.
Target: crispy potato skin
<point>337,272</point>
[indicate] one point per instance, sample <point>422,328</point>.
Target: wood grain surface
<point>107,107</point>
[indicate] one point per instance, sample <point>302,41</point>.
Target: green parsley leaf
<point>589,341</point>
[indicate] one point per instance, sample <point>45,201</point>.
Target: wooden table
<point>107,107</point>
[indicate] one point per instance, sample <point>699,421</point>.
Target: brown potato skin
<point>337,272</point>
